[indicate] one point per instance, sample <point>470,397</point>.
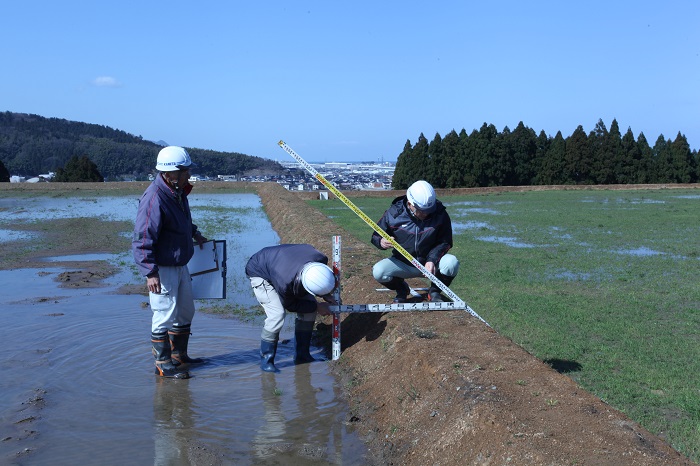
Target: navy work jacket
<point>426,240</point>
<point>281,266</point>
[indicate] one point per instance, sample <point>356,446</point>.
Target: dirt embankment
<point>443,388</point>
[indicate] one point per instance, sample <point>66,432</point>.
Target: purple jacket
<point>163,229</point>
<point>281,266</point>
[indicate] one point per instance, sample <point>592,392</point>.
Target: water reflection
<point>297,425</point>
<point>174,420</point>
<point>273,427</point>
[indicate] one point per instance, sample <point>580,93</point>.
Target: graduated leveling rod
<point>456,303</point>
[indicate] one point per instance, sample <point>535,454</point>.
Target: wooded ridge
<point>31,145</point>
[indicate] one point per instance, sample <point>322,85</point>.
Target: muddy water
<point>78,385</point>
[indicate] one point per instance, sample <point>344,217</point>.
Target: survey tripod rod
<point>449,293</point>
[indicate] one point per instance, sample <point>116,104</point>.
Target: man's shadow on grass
<point>563,366</point>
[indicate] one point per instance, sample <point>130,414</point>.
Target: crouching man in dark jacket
<point>289,277</point>
<point>420,224</point>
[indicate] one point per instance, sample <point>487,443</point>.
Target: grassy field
<point>603,285</point>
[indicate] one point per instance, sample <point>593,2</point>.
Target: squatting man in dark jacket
<point>162,247</point>
<point>289,277</point>
<point>419,223</point>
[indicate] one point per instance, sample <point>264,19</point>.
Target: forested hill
<point>487,157</point>
<point>31,145</point>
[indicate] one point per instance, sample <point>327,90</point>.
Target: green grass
<point>605,282</point>
<point>232,311</point>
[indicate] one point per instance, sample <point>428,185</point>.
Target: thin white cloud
<point>106,81</point>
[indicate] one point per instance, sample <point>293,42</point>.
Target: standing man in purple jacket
<point>162,247</point>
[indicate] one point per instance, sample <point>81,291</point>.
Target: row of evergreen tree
<point>31,145</point>
<point>521,157</point>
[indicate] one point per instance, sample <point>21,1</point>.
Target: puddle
<point>570,276</point>
<point>624,201</point>
<point>477,210</point>
<point>48,208</point>
<point>476,203</point>
<point>643,201</point>
<point>512,242</point>
<point>640,252</point>
<point>84,257</point>
<point>558,233</point>
<point>14,235</point>
<point>461,227</point>
<point>78,383</point>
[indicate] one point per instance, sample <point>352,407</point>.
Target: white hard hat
<point>422,196</point>
<point>172,158</point>
<point>318,279</point>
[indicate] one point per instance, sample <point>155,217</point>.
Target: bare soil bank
<point>443,388</point>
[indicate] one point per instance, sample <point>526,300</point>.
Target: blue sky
<point>351,81</point>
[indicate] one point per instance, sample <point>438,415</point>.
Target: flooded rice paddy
<point>77,374</point>
<point>502,222</point>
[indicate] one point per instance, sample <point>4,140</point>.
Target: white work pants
<point>175,303</point>
<point>274,310</point>
<point>386,269</point>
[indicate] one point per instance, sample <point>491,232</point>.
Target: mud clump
<point>83,278</point>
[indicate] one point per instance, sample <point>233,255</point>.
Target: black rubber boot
<point>162,353</point>
<point>401,287</point>
<point>303,331</point>
<point>179,339</point>
<point>434,292</point>
<point>268,349</point>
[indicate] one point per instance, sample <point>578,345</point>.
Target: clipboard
<point>204,260</point>
<point>208,272</point>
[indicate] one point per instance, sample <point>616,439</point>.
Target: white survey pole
<point>335,334</point>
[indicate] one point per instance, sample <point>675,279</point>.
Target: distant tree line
<point>79,169</point>
<point>521,157</point>
<point>31,145</point>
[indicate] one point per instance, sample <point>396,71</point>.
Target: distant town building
<point>35,179</point>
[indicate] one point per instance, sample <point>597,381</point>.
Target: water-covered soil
<point>78,383</point>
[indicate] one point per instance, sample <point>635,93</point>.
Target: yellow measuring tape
<point>379,231</point>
